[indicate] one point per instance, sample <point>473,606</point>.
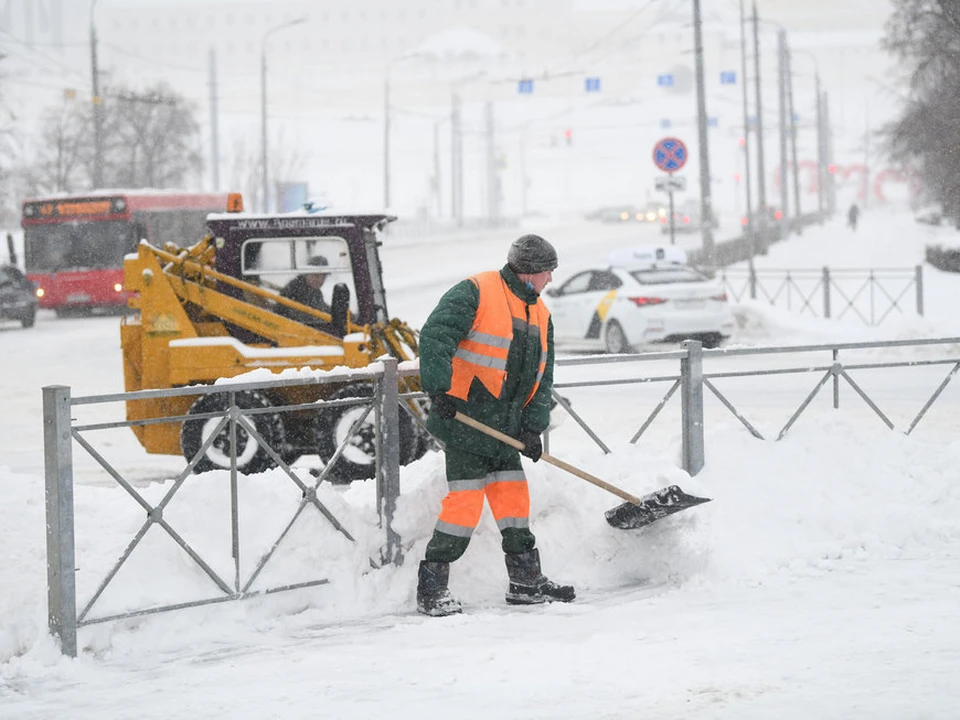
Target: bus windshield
<point>84,245</point>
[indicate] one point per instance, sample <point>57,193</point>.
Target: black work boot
<point>528,586</point>
<point>433,597</point>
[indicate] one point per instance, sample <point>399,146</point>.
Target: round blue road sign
<point>670,154</point>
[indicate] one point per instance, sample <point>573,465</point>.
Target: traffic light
<point>568,136</point>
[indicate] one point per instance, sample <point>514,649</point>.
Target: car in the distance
<point>642,296</point>
<point>686,219</point>
<point>650,213</point>
<point>18,299</point>
<point>612,214</point>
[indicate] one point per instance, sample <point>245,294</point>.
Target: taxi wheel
<point>712,340</point>
<point>614,339</point>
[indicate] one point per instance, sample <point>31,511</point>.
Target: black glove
<point>532,446</point>
<point>443,406</point>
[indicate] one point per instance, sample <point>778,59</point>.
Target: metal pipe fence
<point>694,379</point>
<point>61,431</point>
<point>695,382</point>
<point>869,294</point>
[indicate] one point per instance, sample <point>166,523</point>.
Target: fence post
<point>826,292</point>
<point>388,480</point>
<point>753,279</point>
<point>691,404</point>
<point>61,555</point>
<point>920,290</point>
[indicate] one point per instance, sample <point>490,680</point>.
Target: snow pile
<point>828,492</point>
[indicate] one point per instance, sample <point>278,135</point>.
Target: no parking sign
<point>669,154</point>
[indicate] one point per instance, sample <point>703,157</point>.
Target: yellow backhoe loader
<point>220,308</point>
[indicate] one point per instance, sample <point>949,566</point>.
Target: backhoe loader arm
<point>191,278</point>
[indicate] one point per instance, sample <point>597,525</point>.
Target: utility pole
<point>782,95</point>
<point>97,101</point>
<point>828,149</point>
<point>866,152</point>
<point>793,143</point>
<point>264,175</point>
<point>493,192</point>
<point>761,170</point>
<point>386,140</point>
<point>706,207</point>
<point>264,154</point>
<point>438,186</point>
<point>746,125</point>
<point>214,126</point>
<point>821,154</point>
<point>456,160</point>
<point>523,171</point>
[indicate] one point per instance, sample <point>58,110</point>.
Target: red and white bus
<point>74,245</point>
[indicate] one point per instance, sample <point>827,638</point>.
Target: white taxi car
<point>644,295</point>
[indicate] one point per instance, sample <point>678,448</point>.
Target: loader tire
<point>251,457</point>
<point>358,461</point>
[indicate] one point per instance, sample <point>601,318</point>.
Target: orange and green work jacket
<point>489,344</point>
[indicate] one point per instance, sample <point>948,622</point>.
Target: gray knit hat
<point>531,254</point>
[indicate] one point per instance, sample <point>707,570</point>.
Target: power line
<point>603,38</point>
<point>61,65</point>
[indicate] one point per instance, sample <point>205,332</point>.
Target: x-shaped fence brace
<point>787,284</point>
<point>872,282</point>
<point>836,370</point>
<point>790,285</point>
<point>235,416</point>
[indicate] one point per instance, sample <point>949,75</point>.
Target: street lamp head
<point>284,25</point>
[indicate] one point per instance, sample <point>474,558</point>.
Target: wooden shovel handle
<point>514,443</point>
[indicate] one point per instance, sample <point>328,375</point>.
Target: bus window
<point>77,245</point>
<point>183,227</point>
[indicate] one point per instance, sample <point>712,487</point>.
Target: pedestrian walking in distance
<point>853,214</point>
<point>486,351</point>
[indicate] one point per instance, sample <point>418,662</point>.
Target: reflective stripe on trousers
<point>506,492</point>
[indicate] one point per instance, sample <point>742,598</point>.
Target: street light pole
<point>706,205</point>
<point>386,140</point>
<point>456,159</point>
<point>793,143</point>
<point>782,114</point>
<point>264,156</point>
<point>97,105</point>
<point>761,170</point>
<point>821,154</point>
<point>746,123</point>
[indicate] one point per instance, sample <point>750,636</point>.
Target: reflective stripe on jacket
<point>483,353</point>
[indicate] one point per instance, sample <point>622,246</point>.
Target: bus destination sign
<point>72,207</point>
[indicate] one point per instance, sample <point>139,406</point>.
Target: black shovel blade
<point>652,507</point>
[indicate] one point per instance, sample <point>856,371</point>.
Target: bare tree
<point>243,171</point>
<point>151,139</point>
<point>925,36</point>
<point>244,164</point>
<point>64,155</point>
<point>9,177</point>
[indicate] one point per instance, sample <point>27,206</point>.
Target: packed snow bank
<point>830,491</point>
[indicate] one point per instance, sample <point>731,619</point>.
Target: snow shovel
<point>636,512</point>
